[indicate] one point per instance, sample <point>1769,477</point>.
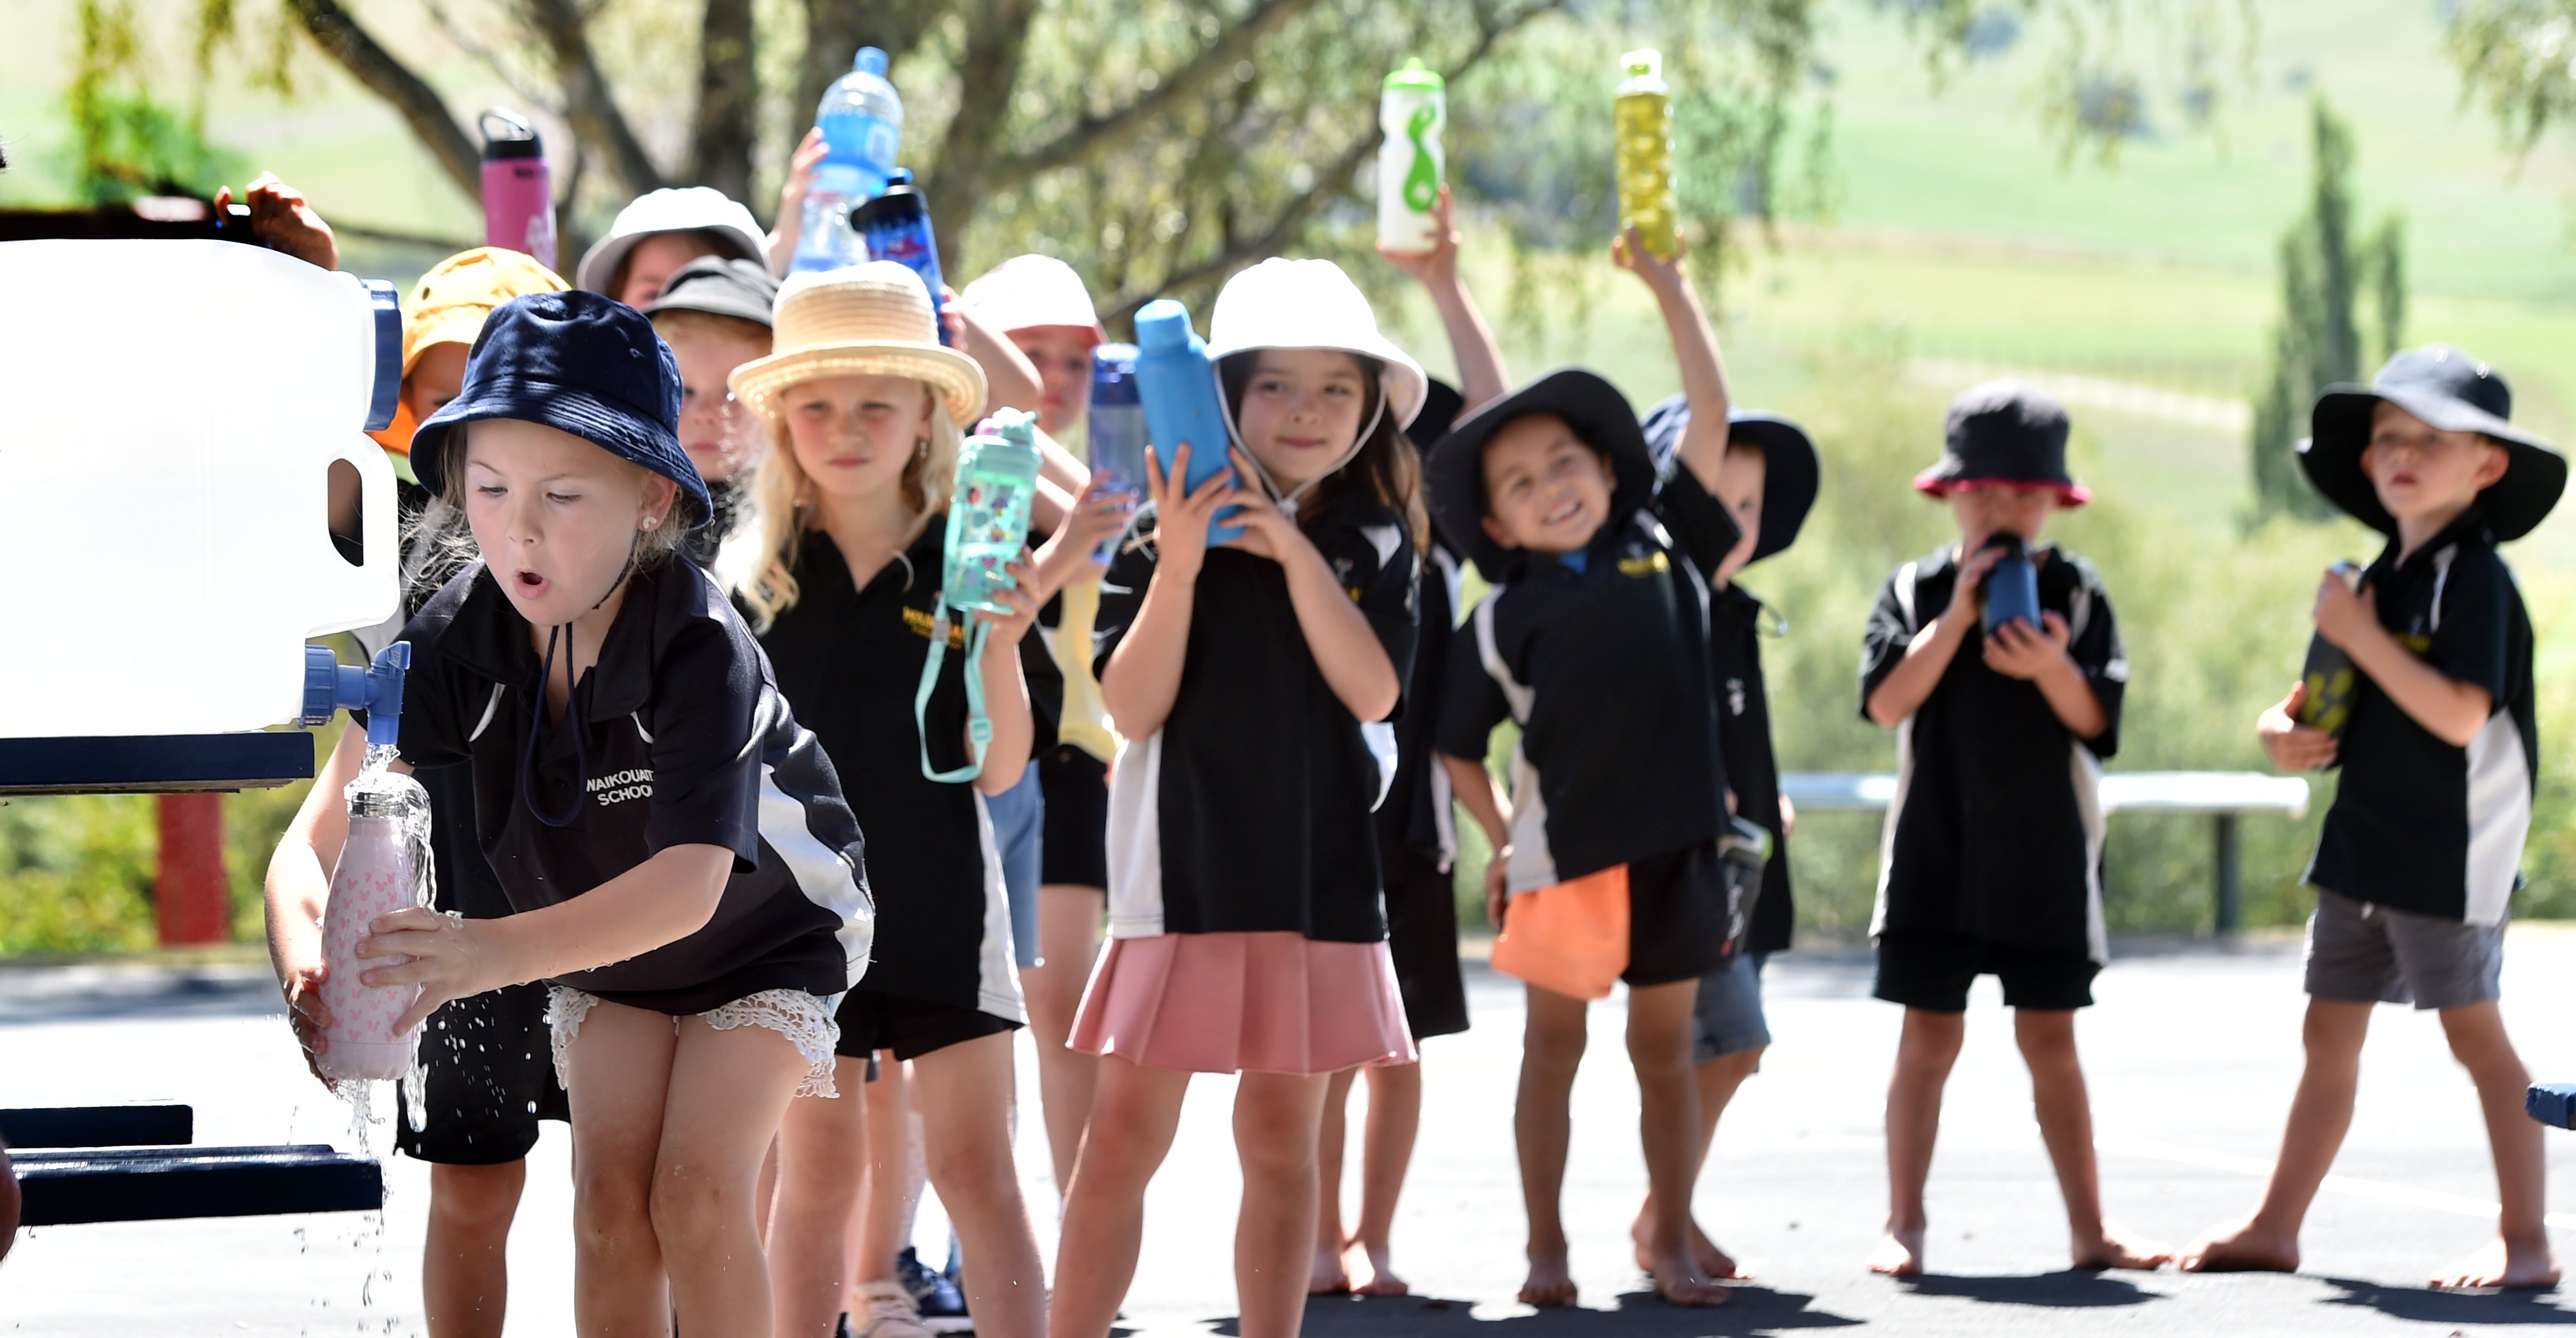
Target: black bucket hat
<point>580,363</point>
<point>1597,412</point>
<point>2449,390</point>
<point>1440,405</point>
<point>2004,432</point>
<point>1790,469</point>
<point>720,286</point>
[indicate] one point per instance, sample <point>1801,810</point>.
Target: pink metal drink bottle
<point>518,188</point>
<point>379,871</point>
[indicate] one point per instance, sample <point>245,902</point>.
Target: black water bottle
<point>2329,674</point>
<point>2012,585</point>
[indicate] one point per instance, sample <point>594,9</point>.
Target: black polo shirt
<point>1416,836</point>
<point>851,661</point>
<point>1608,669</point>
<point>1249,809</point>
<point>1744,737</point>
<point>2417,823</point>
<point>1995,832</point>
<point>679,737</point>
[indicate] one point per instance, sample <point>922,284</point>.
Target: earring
<point>651,522</point>
<point>921,447</point>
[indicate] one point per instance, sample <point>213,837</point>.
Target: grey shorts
<point>2361,953</point>
<point>1727,1019</point>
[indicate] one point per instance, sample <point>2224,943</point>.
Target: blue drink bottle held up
<point>2012,586</point>
<point>1177,382</point>
<point>1116,427</point>
<point>896,226</point>
<point>861,118</point>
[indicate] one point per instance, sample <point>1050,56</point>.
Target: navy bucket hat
<point>1589,404</point>
<point>1790,470</point>
<point>2449,390</point>
<point>579,363</point>
<point>2004,432</point>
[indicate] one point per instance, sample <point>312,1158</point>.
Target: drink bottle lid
<point>1163,324</point>
<point>507,134</point>
<point>1645,63</point>
<point>1113,375</point>
<point>869,60</point>
<point>1414,76</point>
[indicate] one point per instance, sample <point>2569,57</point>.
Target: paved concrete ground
<point>2191,1054</point>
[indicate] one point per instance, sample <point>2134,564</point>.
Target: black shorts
<point>1422,936</point>
<point>1933,971</point>
<point>1076,844</point>
<point>1676,916</point>
<point>489,1071</point>
<point>872,1020</point>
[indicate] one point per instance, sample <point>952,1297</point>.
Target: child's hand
<point>2018,650</point>
<point>280,217</point>
<point>1181,520</point>
<point>1629,252</point>
<point>952,316</point>
<point>451,958</point>
<point>1788,818</point>
<point>305,1013</point>
<point>1021,599</point>
<point>1497,874</point>
<point>1971,578</point>
<point>2291,745</point>
<point>1437,267</point>
<point>809,155</point>
<point>2344,616</point>
<point>1100,512</point>
<point>1267,530</point>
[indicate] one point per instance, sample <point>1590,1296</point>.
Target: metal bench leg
<point>2231,893</point>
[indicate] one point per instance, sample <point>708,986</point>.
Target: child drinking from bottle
<point>841,569</point>
<point>678,860</point>
<point>1992,859</point>
<point>1248,934</point>
<point>1606,864</point>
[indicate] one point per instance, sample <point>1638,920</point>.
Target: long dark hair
<point>1388,468</point>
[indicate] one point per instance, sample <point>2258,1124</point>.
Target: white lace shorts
<point>804,1019</point>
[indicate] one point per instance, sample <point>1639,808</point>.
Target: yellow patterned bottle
<point>1643,121</point>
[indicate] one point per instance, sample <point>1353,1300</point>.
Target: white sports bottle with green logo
<point>1410,163</point>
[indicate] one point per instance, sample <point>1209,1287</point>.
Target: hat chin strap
<point>1287,501</point>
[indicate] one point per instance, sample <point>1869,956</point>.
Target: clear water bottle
<point>1412,110</point>
<point>862,123</point>
<point>988,511</point>
<point>1116,428</point>
<point>1642,120</point>
<point>1183,406</point>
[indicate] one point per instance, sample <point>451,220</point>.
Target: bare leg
<point>1924,1054</point>
<point>1134,1115</point>
<point>1274,1229</point>
<point>2065,1111</point>
<point>2521,1256</point>
<point>618,1076</point>
<point>885,1211</point>
<point>768,1200</point>
<point>2321,1112</point>
<point>1659,1041</point>
<point>465,1267</point>
<point>1069,940</point>
<point>822,1165</point>
<point>1394,1120</point>
<point>1552,1041</point>
<point>1327,1276</point>
<point>964,1091</point>
<point>728,1092</point>
<point>1717,1080</point>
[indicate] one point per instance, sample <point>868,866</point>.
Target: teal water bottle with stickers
<point>988,512</point>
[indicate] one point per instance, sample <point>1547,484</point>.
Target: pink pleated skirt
<point>1270,1002</point>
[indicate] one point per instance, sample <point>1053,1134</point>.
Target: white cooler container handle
<point>365,595</point>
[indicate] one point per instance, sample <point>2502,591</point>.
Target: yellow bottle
<point>1642,119</point>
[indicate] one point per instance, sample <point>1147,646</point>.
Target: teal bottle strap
<point>979,726</point>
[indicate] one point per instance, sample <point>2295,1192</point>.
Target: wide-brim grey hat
<point>2449,390</point>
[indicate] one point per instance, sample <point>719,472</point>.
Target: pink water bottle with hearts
<point>384,866</point>
<point>518,187</point>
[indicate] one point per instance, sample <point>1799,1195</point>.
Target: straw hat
<point>863,320</point>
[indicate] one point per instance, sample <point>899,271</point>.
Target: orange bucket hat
<point>448,305</point>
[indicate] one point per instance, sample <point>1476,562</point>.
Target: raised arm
<point>1481,376</point>
<point>1703,445</point>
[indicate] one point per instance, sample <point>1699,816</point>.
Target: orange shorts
<point>1569,937</point>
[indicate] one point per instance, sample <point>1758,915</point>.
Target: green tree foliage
<point>2327,271</point>
<point>2515,55</point>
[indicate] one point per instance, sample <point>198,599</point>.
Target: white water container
<point>169,415</point>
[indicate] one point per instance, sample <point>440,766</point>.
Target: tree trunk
<point>986,72</point>
<point>593,113</point>
<point>728,101</point>
<point>336,31</point>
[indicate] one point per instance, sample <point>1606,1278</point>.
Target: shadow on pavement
<point>2073,1289</point>
<point>1640,1315</point>
<point>2427,1305</point>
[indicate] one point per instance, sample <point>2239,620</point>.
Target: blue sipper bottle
<point>1177,382</point>
<point>896,226</point>
<point>862,123</point>
<point>1116,428</point>
<point>2012,585</point>
<point>988,512</point>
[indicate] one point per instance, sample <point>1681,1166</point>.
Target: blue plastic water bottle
<point>2012,586</point>
<point>1177,382</point>
<point>988,512</point>
<point>896,226</point>
<point>1116,428</point>
<point>861,118</point>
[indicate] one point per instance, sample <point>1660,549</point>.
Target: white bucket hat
<point>1312,304</point>
<point>1034,290</point>
<point>678,209</point>
<point>872,319</point>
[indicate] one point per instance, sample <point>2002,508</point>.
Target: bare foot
<point>2112,1249</point>
<point>1370,1274</point>
<point>1899,1254</point>
<point>1713,1262</point>
<point>1327,1277</point>
<point>2242,1249</point>
<point>1549,1281</point>
<point>2504,1264</point>
<point>1679,1282</point>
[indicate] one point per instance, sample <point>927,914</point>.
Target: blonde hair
<point>683,319</point>
<point>759,561</point>
<point>653,546</point>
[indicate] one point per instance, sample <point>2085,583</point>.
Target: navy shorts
<point>488,1077</point>
<point>1077,817</point>
<point>872,1020</point>
<point>1933,971</point>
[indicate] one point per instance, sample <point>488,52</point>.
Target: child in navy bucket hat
<point>1992,855</point>
<point>2416,865</point>
<point>636,776</point>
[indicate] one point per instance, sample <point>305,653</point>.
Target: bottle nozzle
<point>869,60</point>
<point>1645,61</point>
<point>376,689</point>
